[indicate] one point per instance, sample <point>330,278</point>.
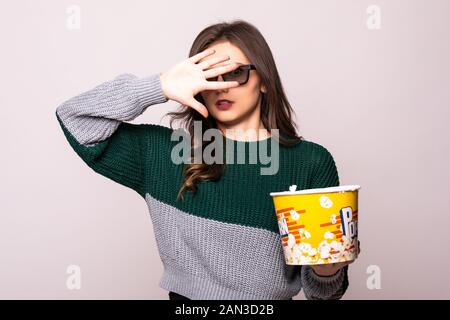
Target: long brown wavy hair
<point>276,112</point>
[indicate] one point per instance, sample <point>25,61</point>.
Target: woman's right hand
<point>187,78</point>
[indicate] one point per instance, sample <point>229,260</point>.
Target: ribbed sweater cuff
<point>323,288</point>
<point>149,91</point>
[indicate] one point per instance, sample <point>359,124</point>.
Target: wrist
<point>163,85</point>
<point>148,91</point>
<point>325,275</point>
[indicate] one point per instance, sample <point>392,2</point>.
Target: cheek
<point>251,94</point>
<point>253,88</point>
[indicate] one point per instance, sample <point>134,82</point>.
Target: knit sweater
<point>221,242</point>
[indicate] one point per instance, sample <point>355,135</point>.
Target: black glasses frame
<point>246,67</point>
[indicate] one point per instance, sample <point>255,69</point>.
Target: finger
<point>199,107</point>
<point>220,70</point>
<point>219,85</point>
<point>210,62</point>
<point>201,55</point>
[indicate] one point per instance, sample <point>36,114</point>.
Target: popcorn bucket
<point>318,226</point>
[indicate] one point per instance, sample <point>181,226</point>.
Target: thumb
<point>199,107</point>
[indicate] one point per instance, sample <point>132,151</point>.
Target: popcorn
<point>294,215</point>
<point>324,252</point>
<point>323,244</point>
<point>301,231</point>
<point>313,252</point>
<point>295,253</point>
<point>304,253</point>
<point>305,247</point>
<point>337,249</point>
<point>291,240</point>
<point>304,260</point>
<point>304,234</point>
<point>307,234</point>
<point>286,251</point>
<point>328,235</point>
<point>333,219</point>
<point>346,242</point>
<point>325,202</point>
<point>337,246</point>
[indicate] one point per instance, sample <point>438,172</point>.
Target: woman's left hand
<point>328,270</point>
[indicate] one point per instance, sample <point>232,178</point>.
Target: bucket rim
<point>346,188</point>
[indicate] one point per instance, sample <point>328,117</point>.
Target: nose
<point>221,79</point>
<point>223,90</point>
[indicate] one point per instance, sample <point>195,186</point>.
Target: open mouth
<point>224,104</point>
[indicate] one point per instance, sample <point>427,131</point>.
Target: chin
<point>228,119</point>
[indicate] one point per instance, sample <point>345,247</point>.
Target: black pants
<point>176,296</point>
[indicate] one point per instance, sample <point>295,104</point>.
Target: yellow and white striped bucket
<point>318,226</point>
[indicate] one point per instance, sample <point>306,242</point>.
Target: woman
<point>214,223</point>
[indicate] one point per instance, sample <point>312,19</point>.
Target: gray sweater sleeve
<point>94,115</point>
<point>324,288</point>
<point>94,124</point>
